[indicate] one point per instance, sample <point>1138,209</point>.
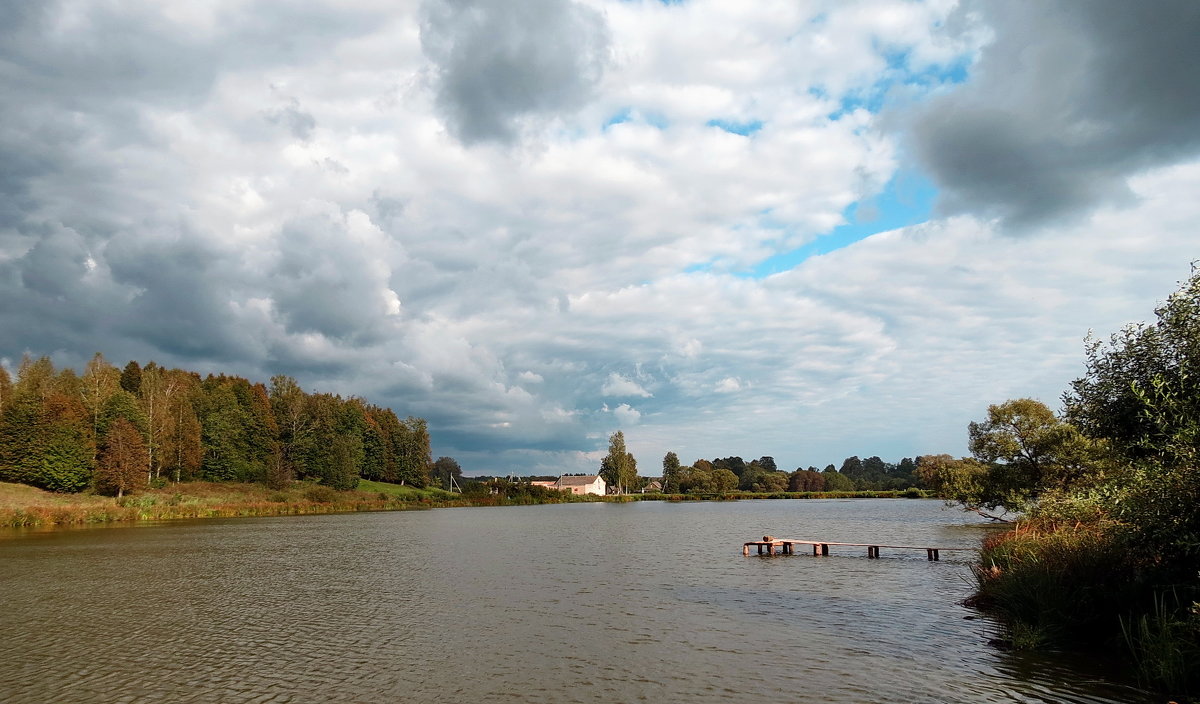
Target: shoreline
<point>28,507</point>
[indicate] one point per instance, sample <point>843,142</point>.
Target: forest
<point>117,430</point>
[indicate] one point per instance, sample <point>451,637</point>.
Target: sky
<point>807,230</point>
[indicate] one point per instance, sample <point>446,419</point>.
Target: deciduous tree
<point>122,464</point>
<point>618,467</point>
<point>670,481</point>
<point>445,469</point>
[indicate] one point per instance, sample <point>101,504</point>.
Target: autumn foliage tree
<point>57,430</point>
<point>123,461</point>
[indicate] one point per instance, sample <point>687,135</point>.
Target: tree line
<point>724,474</point>
<point>763,476</point>
<point>118,430</point>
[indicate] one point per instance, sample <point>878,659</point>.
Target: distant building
<point>545,484</point>
<point>585,484</point>
<point>653,486</point>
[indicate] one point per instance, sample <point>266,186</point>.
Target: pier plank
<point>787,546</point>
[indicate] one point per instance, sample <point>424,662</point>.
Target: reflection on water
<point>568,603</point>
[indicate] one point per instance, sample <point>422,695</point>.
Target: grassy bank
<point>26,506</point>
<point>1083,586</point>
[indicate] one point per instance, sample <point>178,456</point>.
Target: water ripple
<point>575,603</point>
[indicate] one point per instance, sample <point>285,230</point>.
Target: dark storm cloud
<point>499,62</point>
<point>1072,97</point>
<point>86,261</point>
<point>183,290</point>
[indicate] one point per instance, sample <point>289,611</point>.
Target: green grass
<point>26,506</point>
<point>405,493</point>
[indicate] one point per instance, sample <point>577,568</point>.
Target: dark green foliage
<point>223,434</point>
<point>445,468</point>
<point>852,467</point>
<point>23,439</point>
<point>66,462</point>
<point>413,455</point>
<point>734,464</point>
<point>121,404</point>
<point>1141,389</point>
<point>670,478</point>
<point>374,461</point>
<point>6,388</point>
<point>131,378</point>
<point>836,481</point>
<point>1141,395</point>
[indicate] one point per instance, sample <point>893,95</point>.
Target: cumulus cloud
<point>626,415</point>
<point>177,184</point>
<point>499,63</point>
<point>1068,100</point>
<point>618,385</point>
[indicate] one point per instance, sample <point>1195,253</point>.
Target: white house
<point>585,484</point>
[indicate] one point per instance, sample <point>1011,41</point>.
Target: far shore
<point>29,507</point>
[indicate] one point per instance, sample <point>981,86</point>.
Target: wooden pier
<point>820,548</point>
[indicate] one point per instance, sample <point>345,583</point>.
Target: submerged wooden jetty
<point>787,546</point>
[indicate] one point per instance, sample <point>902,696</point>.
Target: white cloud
<point>306,211</point>
<point>626,415</point>
<point>618,385</point>
<point>728,385</point>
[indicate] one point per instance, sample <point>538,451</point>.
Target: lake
<point>645,601</point>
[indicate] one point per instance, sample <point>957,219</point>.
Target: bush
<point>319,494</point>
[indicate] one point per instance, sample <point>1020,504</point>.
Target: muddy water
<point>572,603</point>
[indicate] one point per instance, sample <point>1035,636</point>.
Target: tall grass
<point>1165,644</point>
<point>1083,586</point>
<point>1063,585</point>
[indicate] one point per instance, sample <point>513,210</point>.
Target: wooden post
<point>929,554</point>
<point>745,550</point>
<point>936,557</point>
<point>872,552</point>
<point>816,549</point>
<point>760,548</point>
<point>824,550</point>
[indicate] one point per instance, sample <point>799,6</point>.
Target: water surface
<point>560,603</point>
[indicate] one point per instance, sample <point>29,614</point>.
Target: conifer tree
<point>131,378</point>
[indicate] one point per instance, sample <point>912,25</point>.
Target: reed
<point>1057,586</point>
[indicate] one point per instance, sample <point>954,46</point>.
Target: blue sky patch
<point>630,115</point>
<point>745,129</point>
<point>907,200</point>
